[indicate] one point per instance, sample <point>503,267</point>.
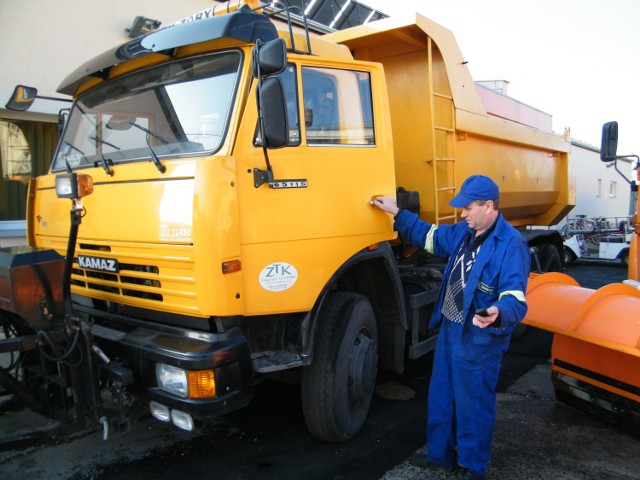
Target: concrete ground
<point>537,437</point>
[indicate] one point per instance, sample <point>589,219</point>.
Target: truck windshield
<point>175,109</point>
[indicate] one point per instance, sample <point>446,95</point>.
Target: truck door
<point>340,149</point>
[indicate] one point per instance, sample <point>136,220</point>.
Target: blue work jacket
<point>498,276</point>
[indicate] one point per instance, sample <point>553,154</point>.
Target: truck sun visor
<point>243,25</point>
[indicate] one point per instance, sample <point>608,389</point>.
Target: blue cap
<point>476,187</point>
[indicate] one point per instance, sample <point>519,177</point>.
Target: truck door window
<point>178,108</point>
<point>337,107</point>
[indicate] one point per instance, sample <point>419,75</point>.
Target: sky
<point>577,60</point>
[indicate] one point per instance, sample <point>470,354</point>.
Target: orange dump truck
<point>596,346</point>
<point>206,218</point>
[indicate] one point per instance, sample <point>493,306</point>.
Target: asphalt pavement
<point>536,436</point>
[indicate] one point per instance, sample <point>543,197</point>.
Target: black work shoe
<point>420,460</point>
<point>466,474</point>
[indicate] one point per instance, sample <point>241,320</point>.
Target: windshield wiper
<point>73,147</point>
<point>104,161</point>
<point>105,164</point>
<point>156,161</point>
<point>109,144</point>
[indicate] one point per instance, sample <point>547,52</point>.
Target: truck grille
<point>133,280</point>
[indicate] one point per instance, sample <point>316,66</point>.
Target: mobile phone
<point>482,312</point>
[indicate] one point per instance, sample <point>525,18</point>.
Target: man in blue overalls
<point>487,269</point>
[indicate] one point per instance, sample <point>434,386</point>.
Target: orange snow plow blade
<point>596,348</point>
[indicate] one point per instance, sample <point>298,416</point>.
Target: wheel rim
<point>362,368</point>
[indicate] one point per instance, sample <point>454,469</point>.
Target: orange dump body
<point>596,348</point>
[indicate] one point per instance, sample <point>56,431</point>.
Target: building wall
<point>49,39</point>
<point>44,41</point>
<point>600,190</point>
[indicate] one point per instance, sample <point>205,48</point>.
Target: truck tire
<point>338,386</point>
<point>550,258</point>
<point>550,261</point>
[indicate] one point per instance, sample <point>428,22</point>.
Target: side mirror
<point>63,116</point>
<point>609,145</point>
<point>274,111</point>
<point>22,98</point>
<point>270,58</point>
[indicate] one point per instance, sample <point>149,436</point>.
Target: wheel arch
<point>372,273</point>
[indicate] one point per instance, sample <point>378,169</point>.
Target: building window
<point>15,153</point>
<point>599,187</point>
<point>26,149</point>
<point>612,189</point>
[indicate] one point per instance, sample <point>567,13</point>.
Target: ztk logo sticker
<point>278,277</point>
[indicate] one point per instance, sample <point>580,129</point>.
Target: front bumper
<point>140,345</point>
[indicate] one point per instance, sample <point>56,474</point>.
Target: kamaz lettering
<point>97,263</point>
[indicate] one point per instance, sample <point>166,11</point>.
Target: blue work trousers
<point>462,400</point>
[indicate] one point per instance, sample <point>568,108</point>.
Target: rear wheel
<point>550,258</point>
<point>337,387</point>
<point>550,261</point>
<point>547,259</point>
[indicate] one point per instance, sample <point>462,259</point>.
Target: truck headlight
<point>186,383</point>
<point>182,420</point>
<point>73,185</point>
<point>159,411</point>
<point>172,379</point>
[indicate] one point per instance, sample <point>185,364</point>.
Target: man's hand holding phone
<point>485,316</point>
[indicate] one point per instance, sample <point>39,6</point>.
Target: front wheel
<point>338,386</point>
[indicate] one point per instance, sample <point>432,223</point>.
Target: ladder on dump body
<point>442,163</point>
<point>442,148</point>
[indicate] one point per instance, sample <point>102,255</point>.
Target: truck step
<point>271,361</point>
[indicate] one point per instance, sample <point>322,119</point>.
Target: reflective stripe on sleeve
<point>519,294</point>
<point>428,242</point>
